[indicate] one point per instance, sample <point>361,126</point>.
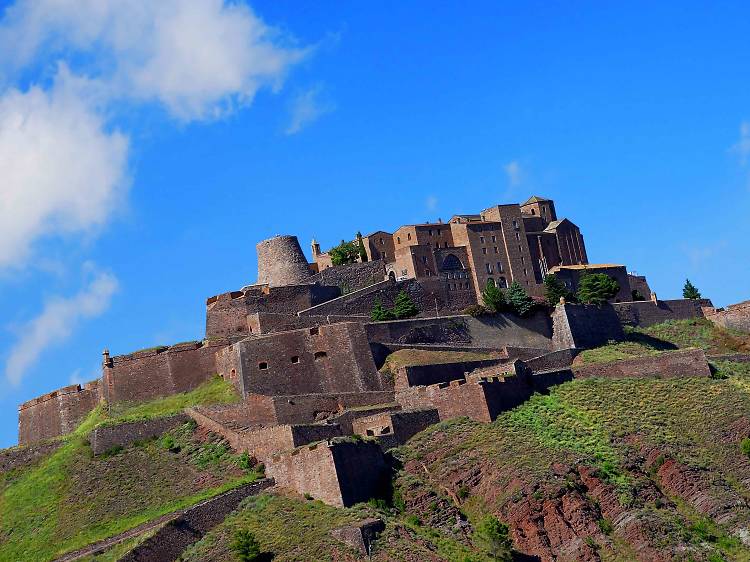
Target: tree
<point>596,288</point>
<point>361,248</point>
<point>380,313</point>
<point>689,291</point>
<point>492,537</point>
<point>493,298</point>
<point>554,289</point>
<point>637,296</point>
<point>245,546</point>
<point>404,307</point>
<point>518,301</point>
<point>344,253</point>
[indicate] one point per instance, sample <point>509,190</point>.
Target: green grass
<point>215,391</point>
<point>670,335</point>
<point>72,498</point>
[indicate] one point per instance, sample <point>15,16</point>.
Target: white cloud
<point>513,171</point>
<point>62,171</point>
<point>200,58</point>
<point>698,255</point>
<point>81,376</point>
<point>56,323</point>
<point>431,203</point>
<point>306,108</point>
<point>742,148</point>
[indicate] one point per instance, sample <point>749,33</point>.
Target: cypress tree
<point>380,313</point>
<point>689,291</point>
<point>404,307</point>
<point>494,299</point>
<point>554,289</point>
<point>518,300</point>
<point>596,288</point>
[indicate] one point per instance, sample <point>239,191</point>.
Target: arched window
<point>502,283</point>
<point>451,263</point>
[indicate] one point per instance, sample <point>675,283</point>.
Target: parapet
<point>281,262</point>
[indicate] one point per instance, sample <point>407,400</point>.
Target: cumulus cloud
<point>62,171</point>
<point>513,171</point>
<point>306,108</point>
<point>199,58</point>
<point>56,322</point>
<point>742,148</point>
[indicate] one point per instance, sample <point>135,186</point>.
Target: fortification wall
<point>481,399</point>
<point>647,313</point>
<point>397,427</point>
<point>333,358</point>
<point>25,455</point>
<point>733,317</point>
<point>281,262</point>
<point>491,332</point>
<point>162,371</point>
<point>269,322</point>
<point>227,314</point>
<point>584,326</point>
<point>339,474</point>
<point>171,539</point>
<point>670,364</point>
<point>56,413</point>
<point>103,439</point>
<point>301,409</point>
<point>424,375</point>
<point>353,276</point>
<point>556,360</point>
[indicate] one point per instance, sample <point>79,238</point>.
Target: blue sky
<point>146,147</point>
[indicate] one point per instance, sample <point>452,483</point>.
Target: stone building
<point>501,244</point>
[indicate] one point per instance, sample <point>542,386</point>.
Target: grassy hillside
<point>71,498</point>
<point>676,334</point>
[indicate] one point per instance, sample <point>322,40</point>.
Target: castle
<point>301,350</point>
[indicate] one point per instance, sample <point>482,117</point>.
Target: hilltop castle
<point>302,352</point>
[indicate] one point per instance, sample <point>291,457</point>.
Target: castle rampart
<point>582,326</point>
<point>670,364</point>
<point>647,313</point>
<point>161,371</point>
<point>733,317</point>
<point>56,413</point>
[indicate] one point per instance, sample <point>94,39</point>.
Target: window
<point>262,365</point>
<point>524,271</point>
<point>314,331</point>
<point>503,283</point>
<point>408,235</point>
<point>488,267</point>
<point>518,236</point>
<point>381,241</point>
<point>320,355</point>
<point>398,239</point>
<point>499,267</point>
<point>437,244</point>
<point>533,212</point>
<point>430,231</point>
<point>385,255</point>
<point>481,239</point>
<point>523,260</point>
<point>438,232</point>
<point>496,249</point>
<point>519,248</point>
<point>494,238</point>
<point>484,251</point>
<point>295,359</point>
<point>515,223</point>
<point>445,244</point>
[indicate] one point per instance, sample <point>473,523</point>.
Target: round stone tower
<point>281,262</point>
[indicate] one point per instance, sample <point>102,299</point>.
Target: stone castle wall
<point>333,358</point>
<point>670,364</point>
<point>339,474</point>
<point>353,276</point>
<point>103,439</point>
<point>227,314</point>
<point>56,413</point>
<point>270,322</point>
<point>424,375</point>
<point>647,313</point>
<point>281,262</point>
<point>582,326</point>
<point>162,371</point>
<point>396,428</point>
<point>733,317</point>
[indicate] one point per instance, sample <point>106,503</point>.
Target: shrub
<point>379,313</point>
<point>493,298</point>
<point>689,291</point>
<point>475,310</point>
<point>167,442</point>
<point>745,446</point>
<point>463,493</point>
<point>244,461</point>
<point>308,497</point>
<point>596,288</point>
<point>518,300</point>
<point>245,546</point>
<point>413,520</point>
<point>344,253</point>
<point>605,526</point>
<point>554,289</point>
<point>636,295</point>
<point>404,307</point>
<point>492,537</point>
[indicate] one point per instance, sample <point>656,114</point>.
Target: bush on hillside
<point>245,546</point>
<point>492,537</point>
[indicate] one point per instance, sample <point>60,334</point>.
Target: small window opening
<point>295,359</point>
<point>313,331</point>
<point>262,365</point>
<point>320,355</point>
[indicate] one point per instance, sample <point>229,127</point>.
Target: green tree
<point>637,296</point>
<point>404,307</point>
<point>245,546</point>
<point>596,288</point>
<point>344,253</point>
<point>493,298</point>
<point>554,289</point>
<point>518,300</point>
<point>492,537</point>
<point>361,248</point>
<point>689,291</point>
<point>380,313</point>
